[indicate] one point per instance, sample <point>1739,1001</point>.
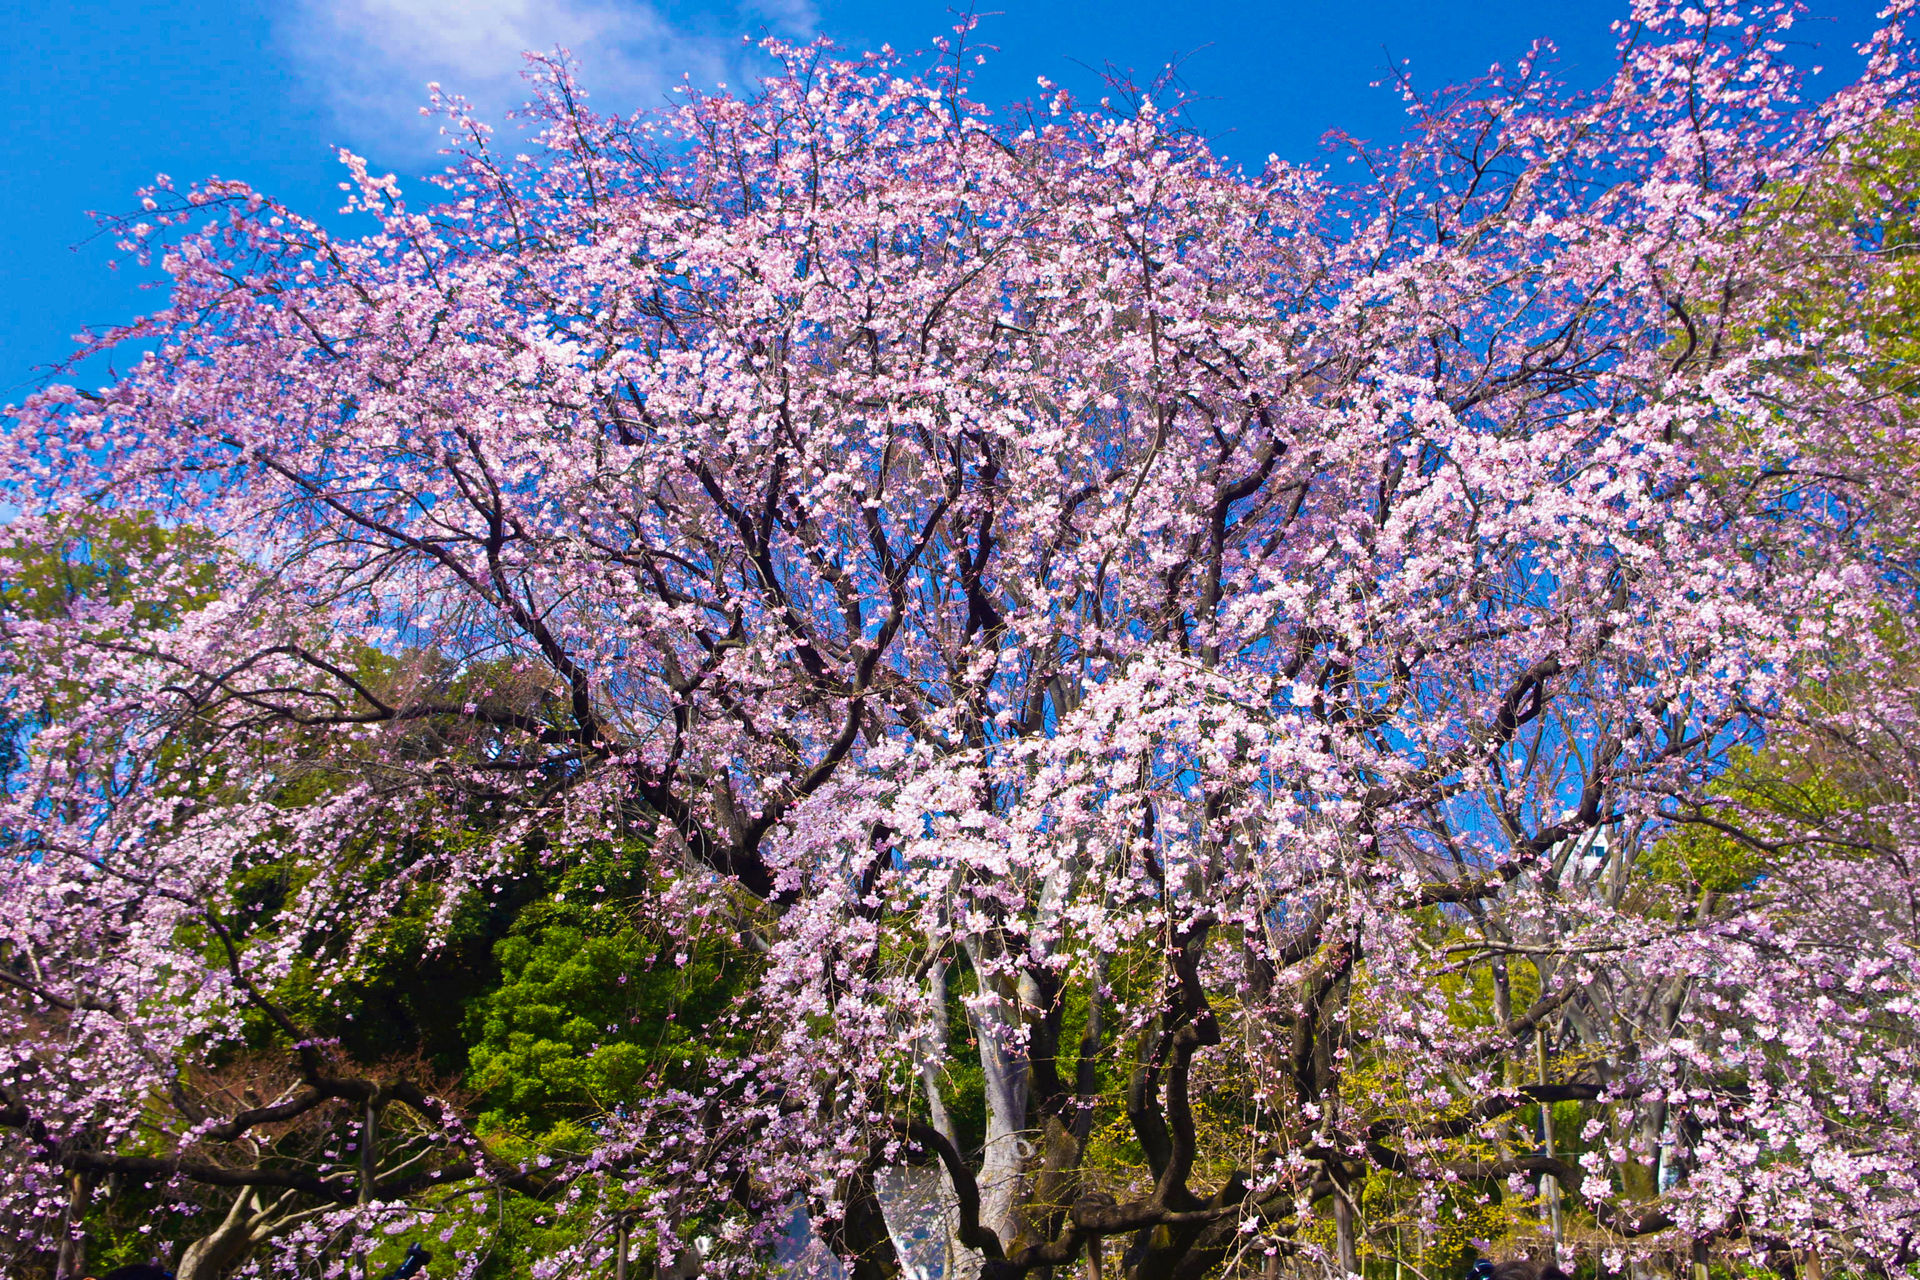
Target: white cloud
<point>370,60</point>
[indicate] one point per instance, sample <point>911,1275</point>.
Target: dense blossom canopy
<point>1258,648</point>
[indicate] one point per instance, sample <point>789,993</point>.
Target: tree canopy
<point>1147,716</point>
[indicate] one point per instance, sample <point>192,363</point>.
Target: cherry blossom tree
<point>1231,657</point>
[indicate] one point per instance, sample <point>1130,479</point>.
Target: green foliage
<point>112,559</point>
<point>407,998</point>
<point>103,559</point>
<point>1869,205</point>
<point>594,1007</point>
<point>584,1021</point>
<point>1768,794</point>
<point>518,1232</point>
<point>120,1224</point>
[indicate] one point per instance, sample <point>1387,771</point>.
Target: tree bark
<point>1003,1062</point>
<point>213,1254</point>
<point>1343,1230</point>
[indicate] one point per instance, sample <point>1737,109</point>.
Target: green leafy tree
<point>593,1009</point>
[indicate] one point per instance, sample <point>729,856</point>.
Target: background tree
<point>259,1120</point>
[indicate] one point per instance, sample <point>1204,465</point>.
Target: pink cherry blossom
<point>1247,609</point>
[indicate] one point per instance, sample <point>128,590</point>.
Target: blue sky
<point>104,94</point>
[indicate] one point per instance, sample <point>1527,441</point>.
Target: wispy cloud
<point>370,60</point>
